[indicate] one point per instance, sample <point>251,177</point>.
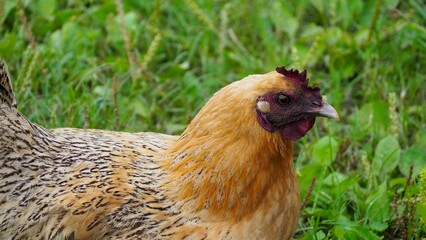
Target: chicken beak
<point>327,111</point>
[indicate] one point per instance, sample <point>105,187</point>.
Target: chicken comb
<point>299,78</point>
<point>294,75</point>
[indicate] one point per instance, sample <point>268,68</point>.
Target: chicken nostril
<point>317,103</point>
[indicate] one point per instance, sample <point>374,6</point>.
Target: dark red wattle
<point>295,130</point>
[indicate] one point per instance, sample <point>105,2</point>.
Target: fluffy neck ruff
<point>225,163</point>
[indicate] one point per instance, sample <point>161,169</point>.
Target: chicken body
<point>225,177</point>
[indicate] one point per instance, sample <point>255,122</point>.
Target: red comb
<point>299,78</point>
<point>294,75</point>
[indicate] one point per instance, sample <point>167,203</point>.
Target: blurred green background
<point>151,65</point>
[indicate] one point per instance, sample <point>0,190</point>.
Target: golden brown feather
<point>229,175</point>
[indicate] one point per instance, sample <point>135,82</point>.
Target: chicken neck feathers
<point>223,178</point>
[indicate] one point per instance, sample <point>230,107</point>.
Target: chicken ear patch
<point>263,106</point>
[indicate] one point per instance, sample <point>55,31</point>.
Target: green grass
<point>72,67</point>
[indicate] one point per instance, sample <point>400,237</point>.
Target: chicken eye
<point>282,100</point>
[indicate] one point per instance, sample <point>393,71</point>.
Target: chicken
<point>229,175</point>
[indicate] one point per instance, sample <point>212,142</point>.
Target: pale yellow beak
<point>327,111</point>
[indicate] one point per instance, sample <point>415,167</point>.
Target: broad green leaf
<point>352,230</point>
<point>338,232</point>
<point>361,36</point>
<point>6,43</point>
<point>284,20</point>
<point>335,178</point>
<point>325,150</point>
<point>360,232</point>
<point>307,173</point>
<point>140,108</point>
<point>310,31</point>
<point>113,26</point>
<point>46,7</point>
<point>348,184</point>
<point>334,37</point>
<point>415,156</point>
<point>378,226</point>
<point>320,235</point>
<point>400,181</point>
<point>103,91</point>
<point>421,138</point>
<point>386,156</point>
<point>6,7</point>
<point>374,117</point>
<point>378,206</point>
